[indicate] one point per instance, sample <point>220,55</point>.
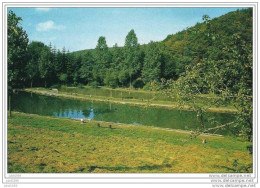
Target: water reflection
<point>159,117</point>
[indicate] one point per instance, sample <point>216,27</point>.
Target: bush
<point>94,84</point>
<point>80,85</point>
<point>63,78</point>
<point>138,83</point>
<point>55,86</point>
<point>147,86</point>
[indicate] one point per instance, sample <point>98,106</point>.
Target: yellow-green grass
<point>40,144</point>
<point>138,102</point>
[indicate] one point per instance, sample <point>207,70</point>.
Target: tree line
<point>133,65</point>
<point>38,65</point>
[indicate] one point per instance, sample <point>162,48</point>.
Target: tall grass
<point>48,144</point>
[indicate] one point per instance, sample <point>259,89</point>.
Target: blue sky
<point>80,28</point>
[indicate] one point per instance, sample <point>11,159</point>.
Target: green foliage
<point>153,62</point>
<point>132,56</point>
<point>102,60</point>
<point>34,53</point>
<point>224,70</point>
<point>55,86</point>
<point>86,69</point>
<point>44,64</point>
<point>63,78</point>
<point>207,40</point>
<point>111,79</point>
<point>148,86</point>
<point>138,83</point>
<point>123,77</point>
<point>94,84</point>
<point>17,51</point>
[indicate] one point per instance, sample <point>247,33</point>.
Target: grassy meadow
<point>40,144</point>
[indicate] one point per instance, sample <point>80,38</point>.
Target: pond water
<point>77,109</point>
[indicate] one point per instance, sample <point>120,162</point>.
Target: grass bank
<point>138,102</point>
<point>48,144</point>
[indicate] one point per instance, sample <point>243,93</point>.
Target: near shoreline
<point>59,145</point>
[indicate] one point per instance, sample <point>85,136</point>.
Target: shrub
<point>93,84</point>
<point>55,86</point>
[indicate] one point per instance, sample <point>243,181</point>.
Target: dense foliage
<point>221,70</point>
<point>130,65</point>
<point>17,52</point>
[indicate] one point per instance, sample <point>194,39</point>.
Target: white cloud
<point>45,26</point>
<point>48,25</point>
<point>43,9</point>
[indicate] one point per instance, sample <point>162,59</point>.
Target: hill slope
<point>204,40</point>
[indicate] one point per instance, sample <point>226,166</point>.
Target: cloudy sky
<point>80,28</point>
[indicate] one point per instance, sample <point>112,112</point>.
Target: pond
<point>105,92</point>
<point>118,113</point>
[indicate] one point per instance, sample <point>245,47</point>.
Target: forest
<point>212,58</point>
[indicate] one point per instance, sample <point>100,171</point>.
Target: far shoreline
<point>136,102</point>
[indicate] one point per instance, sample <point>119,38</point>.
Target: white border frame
<point>132,178</point>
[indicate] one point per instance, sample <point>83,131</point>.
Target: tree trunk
<point>31,83</point>
<point>45,83</point>
<point>130,85</point>
<point>10,114</point>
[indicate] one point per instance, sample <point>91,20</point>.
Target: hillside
<point>134,65</point>
<point>207,39</point>
<point>203,40</point>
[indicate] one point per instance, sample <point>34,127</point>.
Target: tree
<point>17,51</point>
<point>32,67</point>
<point>224,81</point>
<point>63,78</point>
<point>45,65</point>
<point>86,68</point>
<point>102,60</point>
<point>17,54</point>
<point>111,78</point>
<point>153,63</point>
<point>70,67</point>
<point>117,62</point>
<point>218,71</point>
<point>76,74</point>
<point>123,76</point>
<point>132,56</point>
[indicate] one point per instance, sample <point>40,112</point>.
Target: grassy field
<point>133,101</point>
<point>49,144</point>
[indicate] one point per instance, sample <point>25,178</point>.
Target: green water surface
<point>118,113</point>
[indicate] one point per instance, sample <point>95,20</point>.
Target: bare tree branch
<point>213,128</point>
